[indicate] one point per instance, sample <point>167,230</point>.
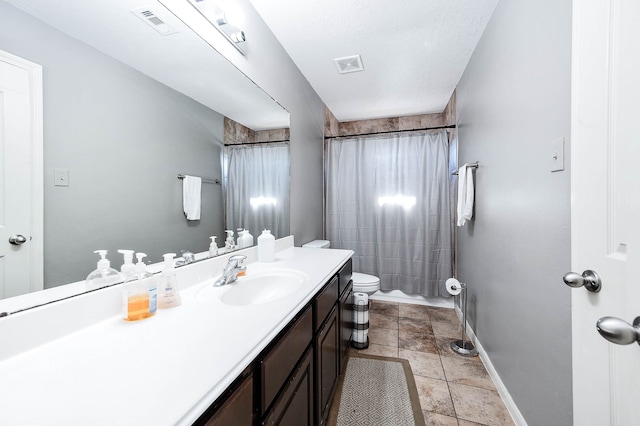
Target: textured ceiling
<point>413,51</point>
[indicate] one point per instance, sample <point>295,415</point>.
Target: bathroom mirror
<point>126,109</point>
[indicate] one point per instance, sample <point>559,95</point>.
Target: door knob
<point>18,239</point>
<point>618,331</point>
<point>589,279</point>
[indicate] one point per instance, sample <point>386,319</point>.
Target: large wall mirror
<point>126,110</point>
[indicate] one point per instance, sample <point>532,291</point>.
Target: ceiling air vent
<point>153,21</point>
<point>349,64</point>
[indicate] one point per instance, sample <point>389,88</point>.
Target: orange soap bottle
<point>139,296</point>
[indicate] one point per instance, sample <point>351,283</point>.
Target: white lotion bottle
<point>169,296</point>
<point>247,239</point>
<point>213,247</point>
<point>266,247</point>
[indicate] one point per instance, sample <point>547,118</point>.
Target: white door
<point>605,180</point>
<point>20,176</point>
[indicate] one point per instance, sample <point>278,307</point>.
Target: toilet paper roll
<point>360,298</point>
<point>360,316</point>
<point>453,286</point>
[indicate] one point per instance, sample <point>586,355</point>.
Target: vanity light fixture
<point>226,18</point>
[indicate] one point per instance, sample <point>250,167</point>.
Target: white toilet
<point>362,283</point>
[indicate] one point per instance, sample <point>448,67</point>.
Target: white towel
<point>191,189</point>
<point>465,195</point>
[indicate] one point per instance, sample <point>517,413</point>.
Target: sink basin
<point>256,288</point>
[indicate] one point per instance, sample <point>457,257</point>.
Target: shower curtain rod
<point>256,143</point>
<point>204,180</point>
<point>472,165</point>
<point>451,126</point>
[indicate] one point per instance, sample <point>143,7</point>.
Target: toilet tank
<point>317,244</point>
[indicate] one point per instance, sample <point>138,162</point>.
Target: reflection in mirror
<point>125,111</point>
<point>256,170</point>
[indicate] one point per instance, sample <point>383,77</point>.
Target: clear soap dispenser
<point>213,247</point>
<point>229,243</point>
<point>104,275</point>
<point>128,269</point>
<point>169,295</point>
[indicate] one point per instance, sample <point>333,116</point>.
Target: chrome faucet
<point>231,271</point>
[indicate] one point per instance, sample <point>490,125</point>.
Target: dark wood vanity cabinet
<point>295,405</point>
<point>293,380</point>
<point>234,407</point>
<point>328,364</point>
<point>345,306</point>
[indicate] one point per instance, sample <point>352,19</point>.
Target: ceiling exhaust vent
<point>349,64</point>
<point>153,21</point>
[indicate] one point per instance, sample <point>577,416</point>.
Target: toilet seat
<point>365,283</point>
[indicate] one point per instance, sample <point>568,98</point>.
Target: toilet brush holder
<point>462,346</point>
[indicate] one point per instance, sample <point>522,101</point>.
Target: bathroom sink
<point>256,288</point>
<point>264,287</point>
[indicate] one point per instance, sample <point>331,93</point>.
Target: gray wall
<point>271,68</point>
<point>513,100</point>
<point>123,137</point>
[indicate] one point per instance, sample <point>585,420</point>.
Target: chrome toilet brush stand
<point>461,347</point>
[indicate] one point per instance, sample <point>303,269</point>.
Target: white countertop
<point>165,370</point>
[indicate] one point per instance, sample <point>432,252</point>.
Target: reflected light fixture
<point>398,200</point>
<point>262,201</point>
<point>226,17</point>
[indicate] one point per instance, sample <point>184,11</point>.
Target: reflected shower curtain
<point>388,201</point>
<point>257,188</point>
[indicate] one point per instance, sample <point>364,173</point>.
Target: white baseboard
<point>517,417</point>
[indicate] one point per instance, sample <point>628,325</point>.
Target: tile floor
<point>453,390</point>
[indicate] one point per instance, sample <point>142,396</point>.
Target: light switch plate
<point>557,155</point>
<point>61,177</point>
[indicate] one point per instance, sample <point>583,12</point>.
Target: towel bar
<point>204,180</point>
<point>472,165</point>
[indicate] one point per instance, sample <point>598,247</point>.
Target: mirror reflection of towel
<point>191,198</point>
<point>465,195</point>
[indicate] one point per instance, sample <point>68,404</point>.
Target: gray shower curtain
<point>257,188</point>
<point>388,199</point>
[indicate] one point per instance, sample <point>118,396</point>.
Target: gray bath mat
<point>376,391</point>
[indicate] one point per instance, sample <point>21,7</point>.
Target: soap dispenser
<point>240,240</point>
<point>213,247</point>
<point>104,275</point>
<point>247,239</point>
<point>266,247</point>
<point>128,269</point>
<point>169,295</point>
<point>138,302</point>
<point>150,282</point>
<point>229,243</point>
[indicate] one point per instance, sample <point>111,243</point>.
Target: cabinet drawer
<point>277,365</point>
<point>345,275</point>
<point>324,301</point>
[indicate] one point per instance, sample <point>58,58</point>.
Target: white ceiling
<point>182,61</point>
<point>413,51</point>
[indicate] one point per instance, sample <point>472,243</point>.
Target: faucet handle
<point>238,259</point>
